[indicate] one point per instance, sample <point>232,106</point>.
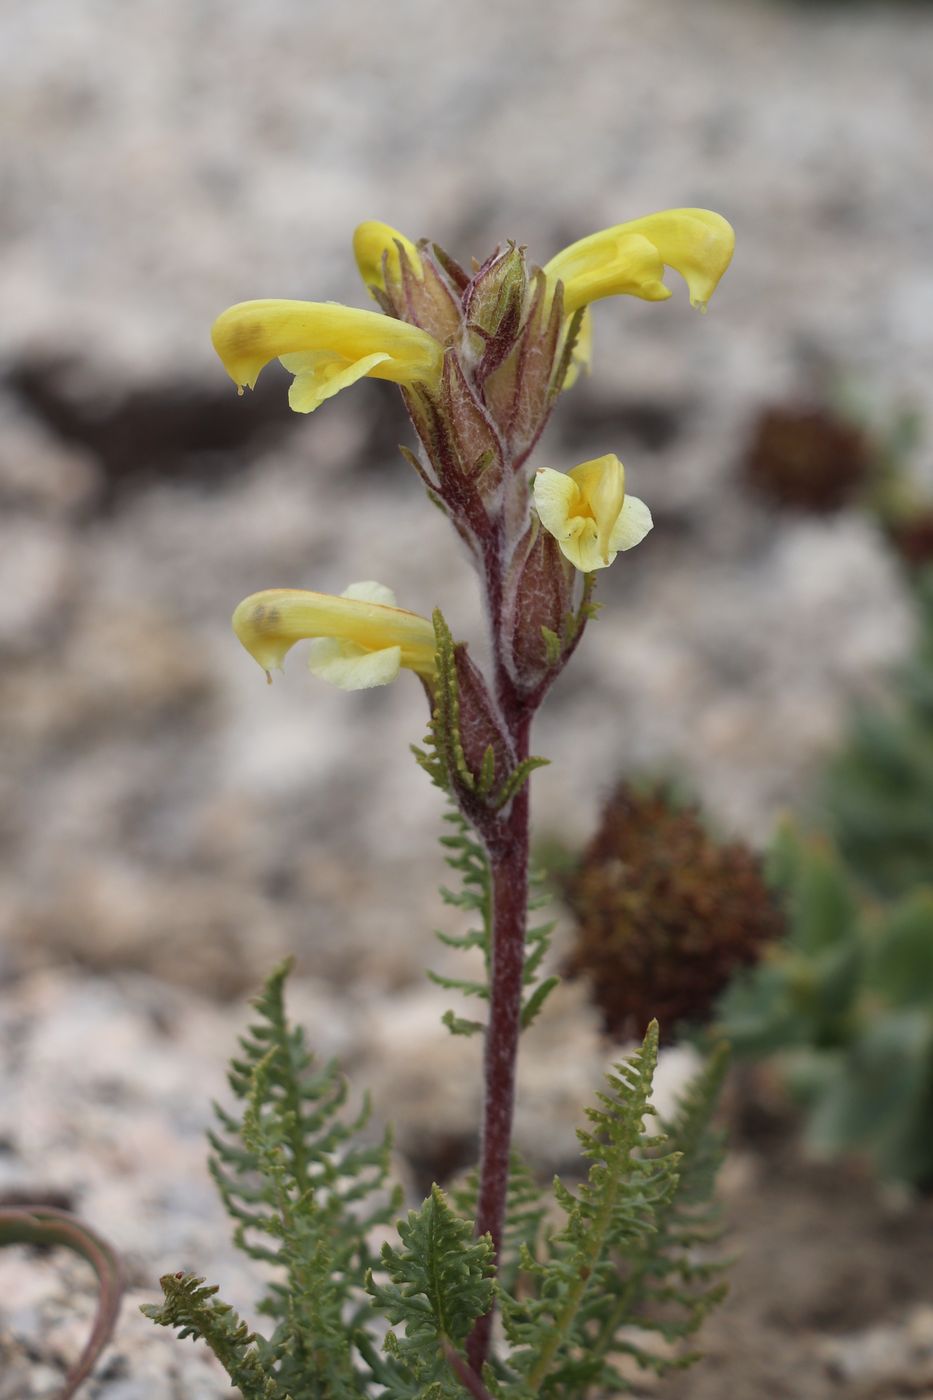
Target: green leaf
<point>532,1007</point>
<point>304,1190</point>
<point>822,903</point>
<point>877,1096</point>
<point>526,1210</point>
<point>878,792</point>
<point>633,1257</point>
<point>458,1025</point>
<point>194,1310</point>
<point>553,646</point>
<point>900,966</point>
<point>439,1283</point>
<point>609,1216</point>
<point>465,854</point>
<point>517,779</point>
<point>570,340</point>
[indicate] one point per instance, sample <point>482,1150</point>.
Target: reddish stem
<point>509,861</point>
<point>507,845</point>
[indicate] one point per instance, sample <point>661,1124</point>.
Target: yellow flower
<point>326,347</point>
<point>630,258</point>
<point>361,639</point>
<point>588,512</point>
<point>373,240</point>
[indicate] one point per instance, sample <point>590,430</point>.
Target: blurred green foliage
<point>879,790</point>
<point>845,1002</point>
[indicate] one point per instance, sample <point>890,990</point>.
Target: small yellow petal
<point>557,498</point>
<point>584,551</point>
<point>312,386</point>
<point>376,249</point>
<point>602,487</point>
<point>632,526</point>
<point>368,591</point>
<point>351,667</point>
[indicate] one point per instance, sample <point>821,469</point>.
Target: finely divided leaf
<point>629,1260</point>
<point>193,1308</point>
<point>439,1283</point>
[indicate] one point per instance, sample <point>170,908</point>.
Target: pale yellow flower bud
<point>374,241</point>
<point>326,347</point>
<point>360,639</point>
<point>588,512</point>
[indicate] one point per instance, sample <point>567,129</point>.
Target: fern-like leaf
<point>672,1277</point>
<point>537,944</point>
<point>304,1194</point>
<point>299,1114</point>
<point>439,1283</point>
<point>610,1215</point>
<point>312,1342</point>
<point>526,1209</point>
<point>466,856</point>
<point>633,1257</point>
<point>194,1310</point>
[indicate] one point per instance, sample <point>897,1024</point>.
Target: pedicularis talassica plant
<point>481,358</point>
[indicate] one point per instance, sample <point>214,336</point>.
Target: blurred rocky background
<point>172,827</point>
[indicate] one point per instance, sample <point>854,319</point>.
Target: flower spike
<point>629,259</point>
<point>360,639</point>
<point>326,347</point>
<point>588,512</point>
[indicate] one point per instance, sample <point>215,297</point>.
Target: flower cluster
<point>480,358</point>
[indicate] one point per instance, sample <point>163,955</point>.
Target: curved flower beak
<point>326,347</point>
<point>629,259</point>
<point>588,512</point>
<point>360,639</point>
<point>376,249</point>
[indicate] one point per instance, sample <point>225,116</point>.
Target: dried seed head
<point>665,914</point>
<point>806,458</point>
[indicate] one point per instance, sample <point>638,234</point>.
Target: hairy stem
<point>509,861</point>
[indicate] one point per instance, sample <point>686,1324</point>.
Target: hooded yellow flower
<point>588,512</point>
<point>326,347</point>
<point>374,241</point>
<point>361,639</point>
<point>629,259</point>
